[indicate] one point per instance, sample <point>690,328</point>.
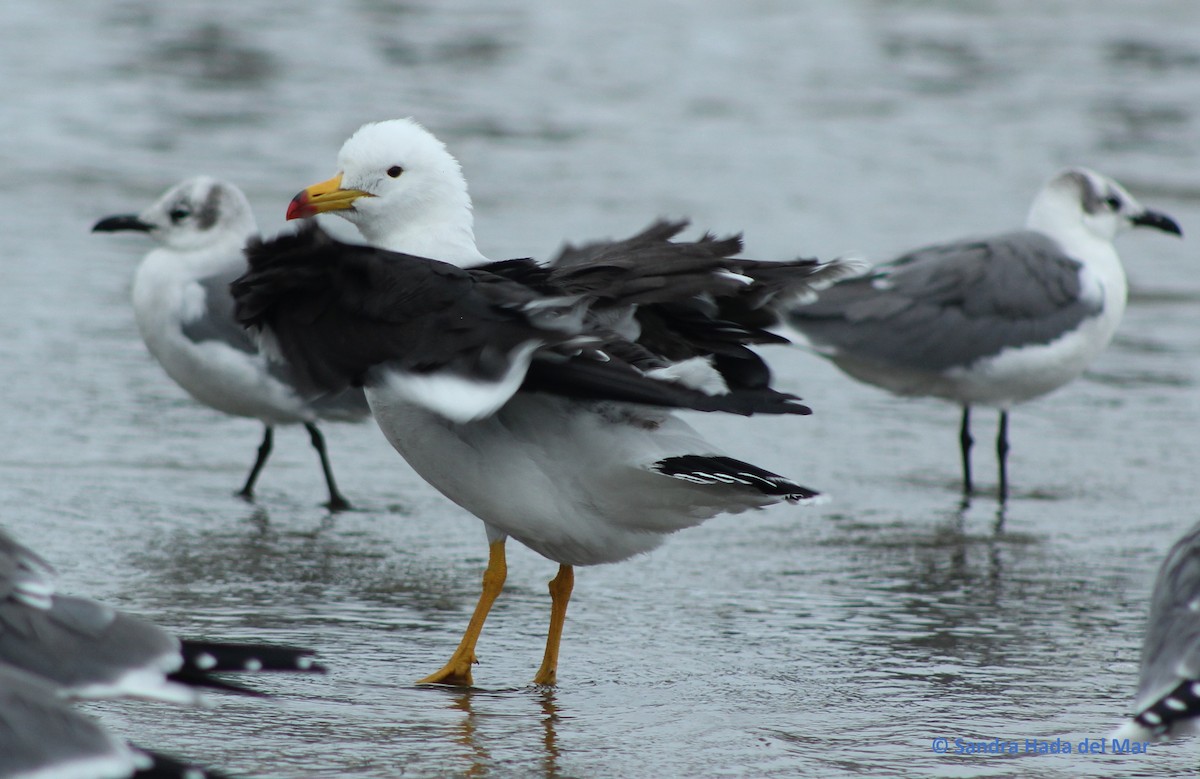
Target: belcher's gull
<point>528,401</point>
<point>1168,696</point>
<point>990,322</point>
<point>90,650</point>
<point>183,309</point>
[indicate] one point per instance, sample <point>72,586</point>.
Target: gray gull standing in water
<point>990,322</point>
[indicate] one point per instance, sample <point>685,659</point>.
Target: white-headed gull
<point>538,398</point>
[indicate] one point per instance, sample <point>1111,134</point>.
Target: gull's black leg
<point>1002,454</point>
<point>964,443</point>
<point>264,451</point>
<point>336,501</point>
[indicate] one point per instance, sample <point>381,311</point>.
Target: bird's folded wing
<point>208,313</point>
<point>948,305</point>
<point>344,314</point>
<point>89,648</point>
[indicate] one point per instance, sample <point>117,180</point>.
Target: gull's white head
<point>1080,198</point>
<point>196,214</point>
<point>404,191</point>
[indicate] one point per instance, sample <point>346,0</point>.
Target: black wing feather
<point>690,299</point>
<point>338,310</point>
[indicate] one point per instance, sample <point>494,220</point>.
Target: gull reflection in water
<point>482,748</point>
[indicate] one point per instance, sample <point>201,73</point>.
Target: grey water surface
<point>838,640</point>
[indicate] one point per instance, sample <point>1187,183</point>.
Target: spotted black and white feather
<point>701,469</point>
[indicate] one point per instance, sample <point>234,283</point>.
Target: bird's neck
<point>217,257</point>
<point>1064,224</point>
<point>439,233</point>
<point>1102,276</point>
<point>1054,213</point>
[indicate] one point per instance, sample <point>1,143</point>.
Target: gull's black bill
<point>1158,221</point>
<point>114,224</point>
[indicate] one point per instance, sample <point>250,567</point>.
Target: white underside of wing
<point>695,373</point>
<point>457,398</point>
<point>1013,375</point>
<point>141,683</point>
<point>119,763</point>
<point>211,371</point>
<point>589,493</point>
<point>1019,374</point>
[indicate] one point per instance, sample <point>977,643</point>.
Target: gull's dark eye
<point>178,214</point>
<point>1113,202</point>
<point>395,171</point>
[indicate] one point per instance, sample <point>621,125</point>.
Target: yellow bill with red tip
<point>323,197</point>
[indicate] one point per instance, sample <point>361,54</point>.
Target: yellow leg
<point>560,594</point>
<point>457,671</point>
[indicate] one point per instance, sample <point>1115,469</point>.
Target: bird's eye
<point>395,171</point>
<point>1113,202</point>
<point>178,214</point>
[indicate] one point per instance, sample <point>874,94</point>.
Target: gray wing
<point>217,323</point>
<point>348,405</point>
<point>1171,651</point>
<point>80,644</point>
<point>949,305</point>
<point>39,732</point>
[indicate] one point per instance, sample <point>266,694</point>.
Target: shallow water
<point>835,640</point>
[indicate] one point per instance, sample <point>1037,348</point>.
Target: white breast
<point>216,374</point>
<point>568,480</point>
